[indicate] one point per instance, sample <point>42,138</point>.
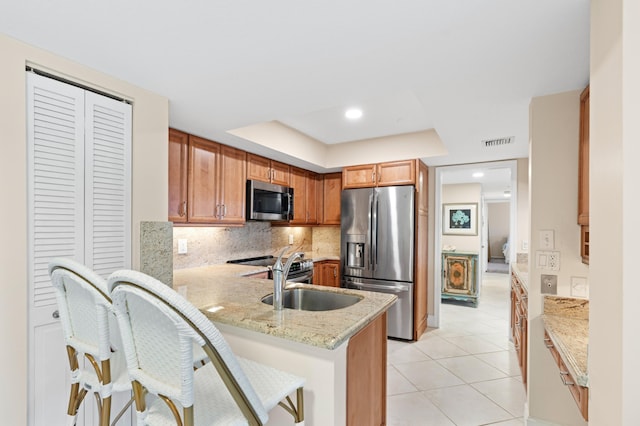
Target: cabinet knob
<point>55,314</point>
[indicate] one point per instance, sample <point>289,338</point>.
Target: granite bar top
<point>566,320</point>
<point>226,296</point>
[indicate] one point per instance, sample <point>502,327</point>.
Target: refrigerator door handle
<point>380,288</point>
<point>374,231</point>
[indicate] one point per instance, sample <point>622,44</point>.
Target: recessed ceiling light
<point>353,113</point>
<point>477,174</point>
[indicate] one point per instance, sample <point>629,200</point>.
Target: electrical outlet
<point>525,245</point>
<point>290,239</point>
<point>548,284</point>
<point>553,260</point>
<point>182,246</point>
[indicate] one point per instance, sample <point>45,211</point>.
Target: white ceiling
<point>465,68</point>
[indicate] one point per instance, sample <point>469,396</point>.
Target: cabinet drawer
<point>580,393</point>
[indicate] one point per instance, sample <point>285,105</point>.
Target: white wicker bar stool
<point>159,328</point>
<point>90,330</point>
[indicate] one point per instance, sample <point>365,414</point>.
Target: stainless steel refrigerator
<point>377,238</point>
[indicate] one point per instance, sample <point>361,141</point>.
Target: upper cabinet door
<point>396,173</point>
<point>280,173</point>
<point>258,168</point>
<point>363,176</point>
<point>332,188</point>
<point>232,184</point>
<point>203,174</point>
<point>266,170</point>
<point>178,175</point>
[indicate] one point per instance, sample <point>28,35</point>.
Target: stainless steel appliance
<point>377,237</point>
<point>301,270</point>
<point>266,201</point>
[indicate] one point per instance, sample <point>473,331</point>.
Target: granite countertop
<point>566,320</point>
<point>522,272</point>
<point>226,296</point>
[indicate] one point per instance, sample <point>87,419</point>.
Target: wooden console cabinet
<point>460,278</point>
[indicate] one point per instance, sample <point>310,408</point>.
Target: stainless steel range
<point>301,271</point>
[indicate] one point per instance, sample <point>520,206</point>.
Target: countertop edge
<point>581,377</point>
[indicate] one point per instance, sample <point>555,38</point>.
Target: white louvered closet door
<point>79,147</point>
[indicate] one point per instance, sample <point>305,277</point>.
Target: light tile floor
<point>463,373</point>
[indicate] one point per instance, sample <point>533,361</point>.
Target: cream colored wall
<point>431,310</point>
<point>614,347</point>
<point>463,194</point>
<point>498,216</point>
<point>522,206</point>
<point>149,193</point>
<point>553,196</point>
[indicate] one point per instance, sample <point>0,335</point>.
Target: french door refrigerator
<point>377,238</point>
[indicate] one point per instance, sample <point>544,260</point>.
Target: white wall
<point>521,240</point>
<point>464,193</point>
<point>149,192</point>
<point>614,347</point>
<point>553,162</point>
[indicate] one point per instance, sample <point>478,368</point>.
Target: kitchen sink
<point>304,299</point>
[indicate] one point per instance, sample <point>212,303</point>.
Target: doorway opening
<point>478,184</point>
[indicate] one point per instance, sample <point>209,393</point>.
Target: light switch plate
<point>546,239</point>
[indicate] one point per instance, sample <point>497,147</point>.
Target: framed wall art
<point>460,219</point>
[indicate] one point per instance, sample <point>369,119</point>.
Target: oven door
<point>303,278</point>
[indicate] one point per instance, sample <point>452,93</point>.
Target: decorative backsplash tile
<point>216,245</point>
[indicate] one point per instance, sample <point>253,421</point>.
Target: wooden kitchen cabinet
<point>267,170</point>
<point>583,176</point>
<point>178,175</point>
<point>216,184</point>
<point>579,393</point>
<point>367,375</point>
<point>422,225</point>
<point>306,187</point>
<point>520,323</point>
<point>382,174</point>
<point>331,193</point>
<point>327,273</point>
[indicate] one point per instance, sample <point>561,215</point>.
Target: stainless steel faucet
<point>280,278</point>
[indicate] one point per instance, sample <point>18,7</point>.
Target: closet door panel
<point>55,143</point>
<point>108,188</point>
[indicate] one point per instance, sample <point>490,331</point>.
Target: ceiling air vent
<point>490,143</point>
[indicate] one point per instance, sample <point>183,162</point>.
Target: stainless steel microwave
<point>266,201</point>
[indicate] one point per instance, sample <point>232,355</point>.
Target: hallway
<point>464,373</point>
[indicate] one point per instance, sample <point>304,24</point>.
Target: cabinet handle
<point>224,210</point>
<point>270,174</point>
<point>335,272</point>
<point>55,314</point>
<point>373,177</point>
<point>182,209</point>
<point>564,376</point>
<point>548,343</point>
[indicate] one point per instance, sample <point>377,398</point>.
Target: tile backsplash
<point>216,245</point>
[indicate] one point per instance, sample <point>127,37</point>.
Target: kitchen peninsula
<point>341,353</point>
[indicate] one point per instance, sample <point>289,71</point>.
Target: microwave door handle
<point>289,196</point>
